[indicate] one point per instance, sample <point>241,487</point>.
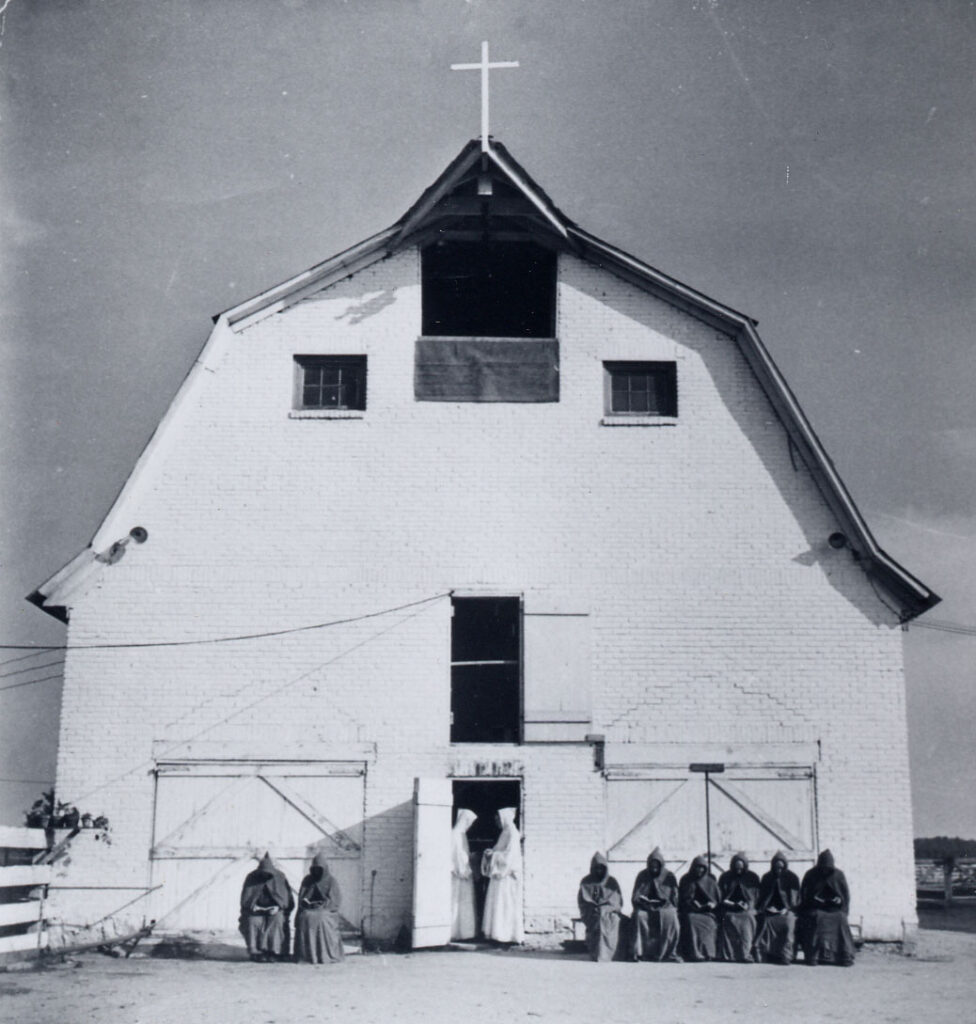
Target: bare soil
<point>937,985</point>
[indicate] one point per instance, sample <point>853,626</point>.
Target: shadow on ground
<point>959,916</point>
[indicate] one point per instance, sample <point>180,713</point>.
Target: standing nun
<point>739,889</point>
<point>502,865</point>
<point>600,903</point>
<point>266,902</point>
<point>697,901</point>
<point>779,894</point>
<point>824,904</point>
<point>655,900</point>
<point>464,915</point>
<point>318,939</point>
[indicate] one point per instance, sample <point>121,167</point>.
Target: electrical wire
<point>31,668</point>
<point>29,682</point>
<point>220,639</point>
<point>151,762</point>
<point>23,657</point>
<point>947,627</point>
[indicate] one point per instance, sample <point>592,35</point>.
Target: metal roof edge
<point>305,280</point>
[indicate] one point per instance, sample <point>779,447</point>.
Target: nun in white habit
<point>502,865</point>
<point>464,916</point>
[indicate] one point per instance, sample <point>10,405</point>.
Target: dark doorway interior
<point>485,797</point>
<point>489,289</point>
<point>486,670</point>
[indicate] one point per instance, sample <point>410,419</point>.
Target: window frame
<point>475,258</point>
<point>518,663</point>
<point>303,362</point>
<point>668,368</point>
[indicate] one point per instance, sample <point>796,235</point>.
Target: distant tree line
<point>944,848</point>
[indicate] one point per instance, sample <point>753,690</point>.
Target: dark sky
<point>810,163</point>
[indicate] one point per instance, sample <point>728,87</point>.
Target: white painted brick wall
<point>719,612</point>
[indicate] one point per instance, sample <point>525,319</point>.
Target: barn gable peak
<point>484,194</point>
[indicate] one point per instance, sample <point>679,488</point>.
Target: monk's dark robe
<point>825,900</point>
<point>600,900</point>
<point>779,896</point>
<point>698,900</point>
<point>318,938</point>
<point>655,921</point>
<point>739,889</point>
<point>266,902</point>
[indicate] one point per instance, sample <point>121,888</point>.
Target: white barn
<point>481,512</point>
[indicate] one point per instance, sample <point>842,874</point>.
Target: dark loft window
<point>489,290</point>
<point>330,382</point>
<point>486,664</point>
<point>641,389</point>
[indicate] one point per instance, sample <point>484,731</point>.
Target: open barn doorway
<point>485,797</point>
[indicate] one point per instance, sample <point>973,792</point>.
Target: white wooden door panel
<point>211,828</point>
<point>644,813</point>
<point>433,800</point>
<point>757,810</point>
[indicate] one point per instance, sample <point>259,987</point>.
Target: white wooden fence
<point>23,887</point>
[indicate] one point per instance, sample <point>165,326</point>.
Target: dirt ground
<point>936,986</point>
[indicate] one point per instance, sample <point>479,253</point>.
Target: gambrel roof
<point>482,191</point>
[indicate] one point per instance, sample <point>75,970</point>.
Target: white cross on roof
<point>484,66</point>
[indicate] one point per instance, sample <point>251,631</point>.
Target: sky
<point>808,163</point>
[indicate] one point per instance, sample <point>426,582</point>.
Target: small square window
<point>330,382</point>
<point>641,389</point>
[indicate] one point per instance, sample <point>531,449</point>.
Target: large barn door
<point>762,810</point>
<point>757,810</point>
<point>213,820</point>
<point>433,800</point>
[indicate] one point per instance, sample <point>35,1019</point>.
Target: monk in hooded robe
<point>600,902</point>
<point>266,902</point>
<point>502,866</point>
<point>824,904</point>
<point>779,896</point>
<point>318,935</point>
<point>698,901</point>
<point>655,901</point>
<point>464,914</point>
<point>739,889</point>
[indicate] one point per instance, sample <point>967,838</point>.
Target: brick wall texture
<point>719,615</point>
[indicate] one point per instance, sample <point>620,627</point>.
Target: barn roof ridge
<point>544,219</point>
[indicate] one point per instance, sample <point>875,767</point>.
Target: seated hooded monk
<point>779,895</point>
<point>655,901</point>
<point>266,902</point>
<point>739,889</point>
<point>698,900</point>
<point>824,904</point>
<point>318,938</point>
<point>600,903</point>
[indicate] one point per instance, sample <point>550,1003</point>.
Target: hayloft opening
<point>488,289</point>
<point>486,669</point>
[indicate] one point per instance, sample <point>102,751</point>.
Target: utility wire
<point>31,668</point>
<point>29,682</point>
<point>23,657</point>
<point>221,639</point>
<point>947,627</point>
<point>213,725</point>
